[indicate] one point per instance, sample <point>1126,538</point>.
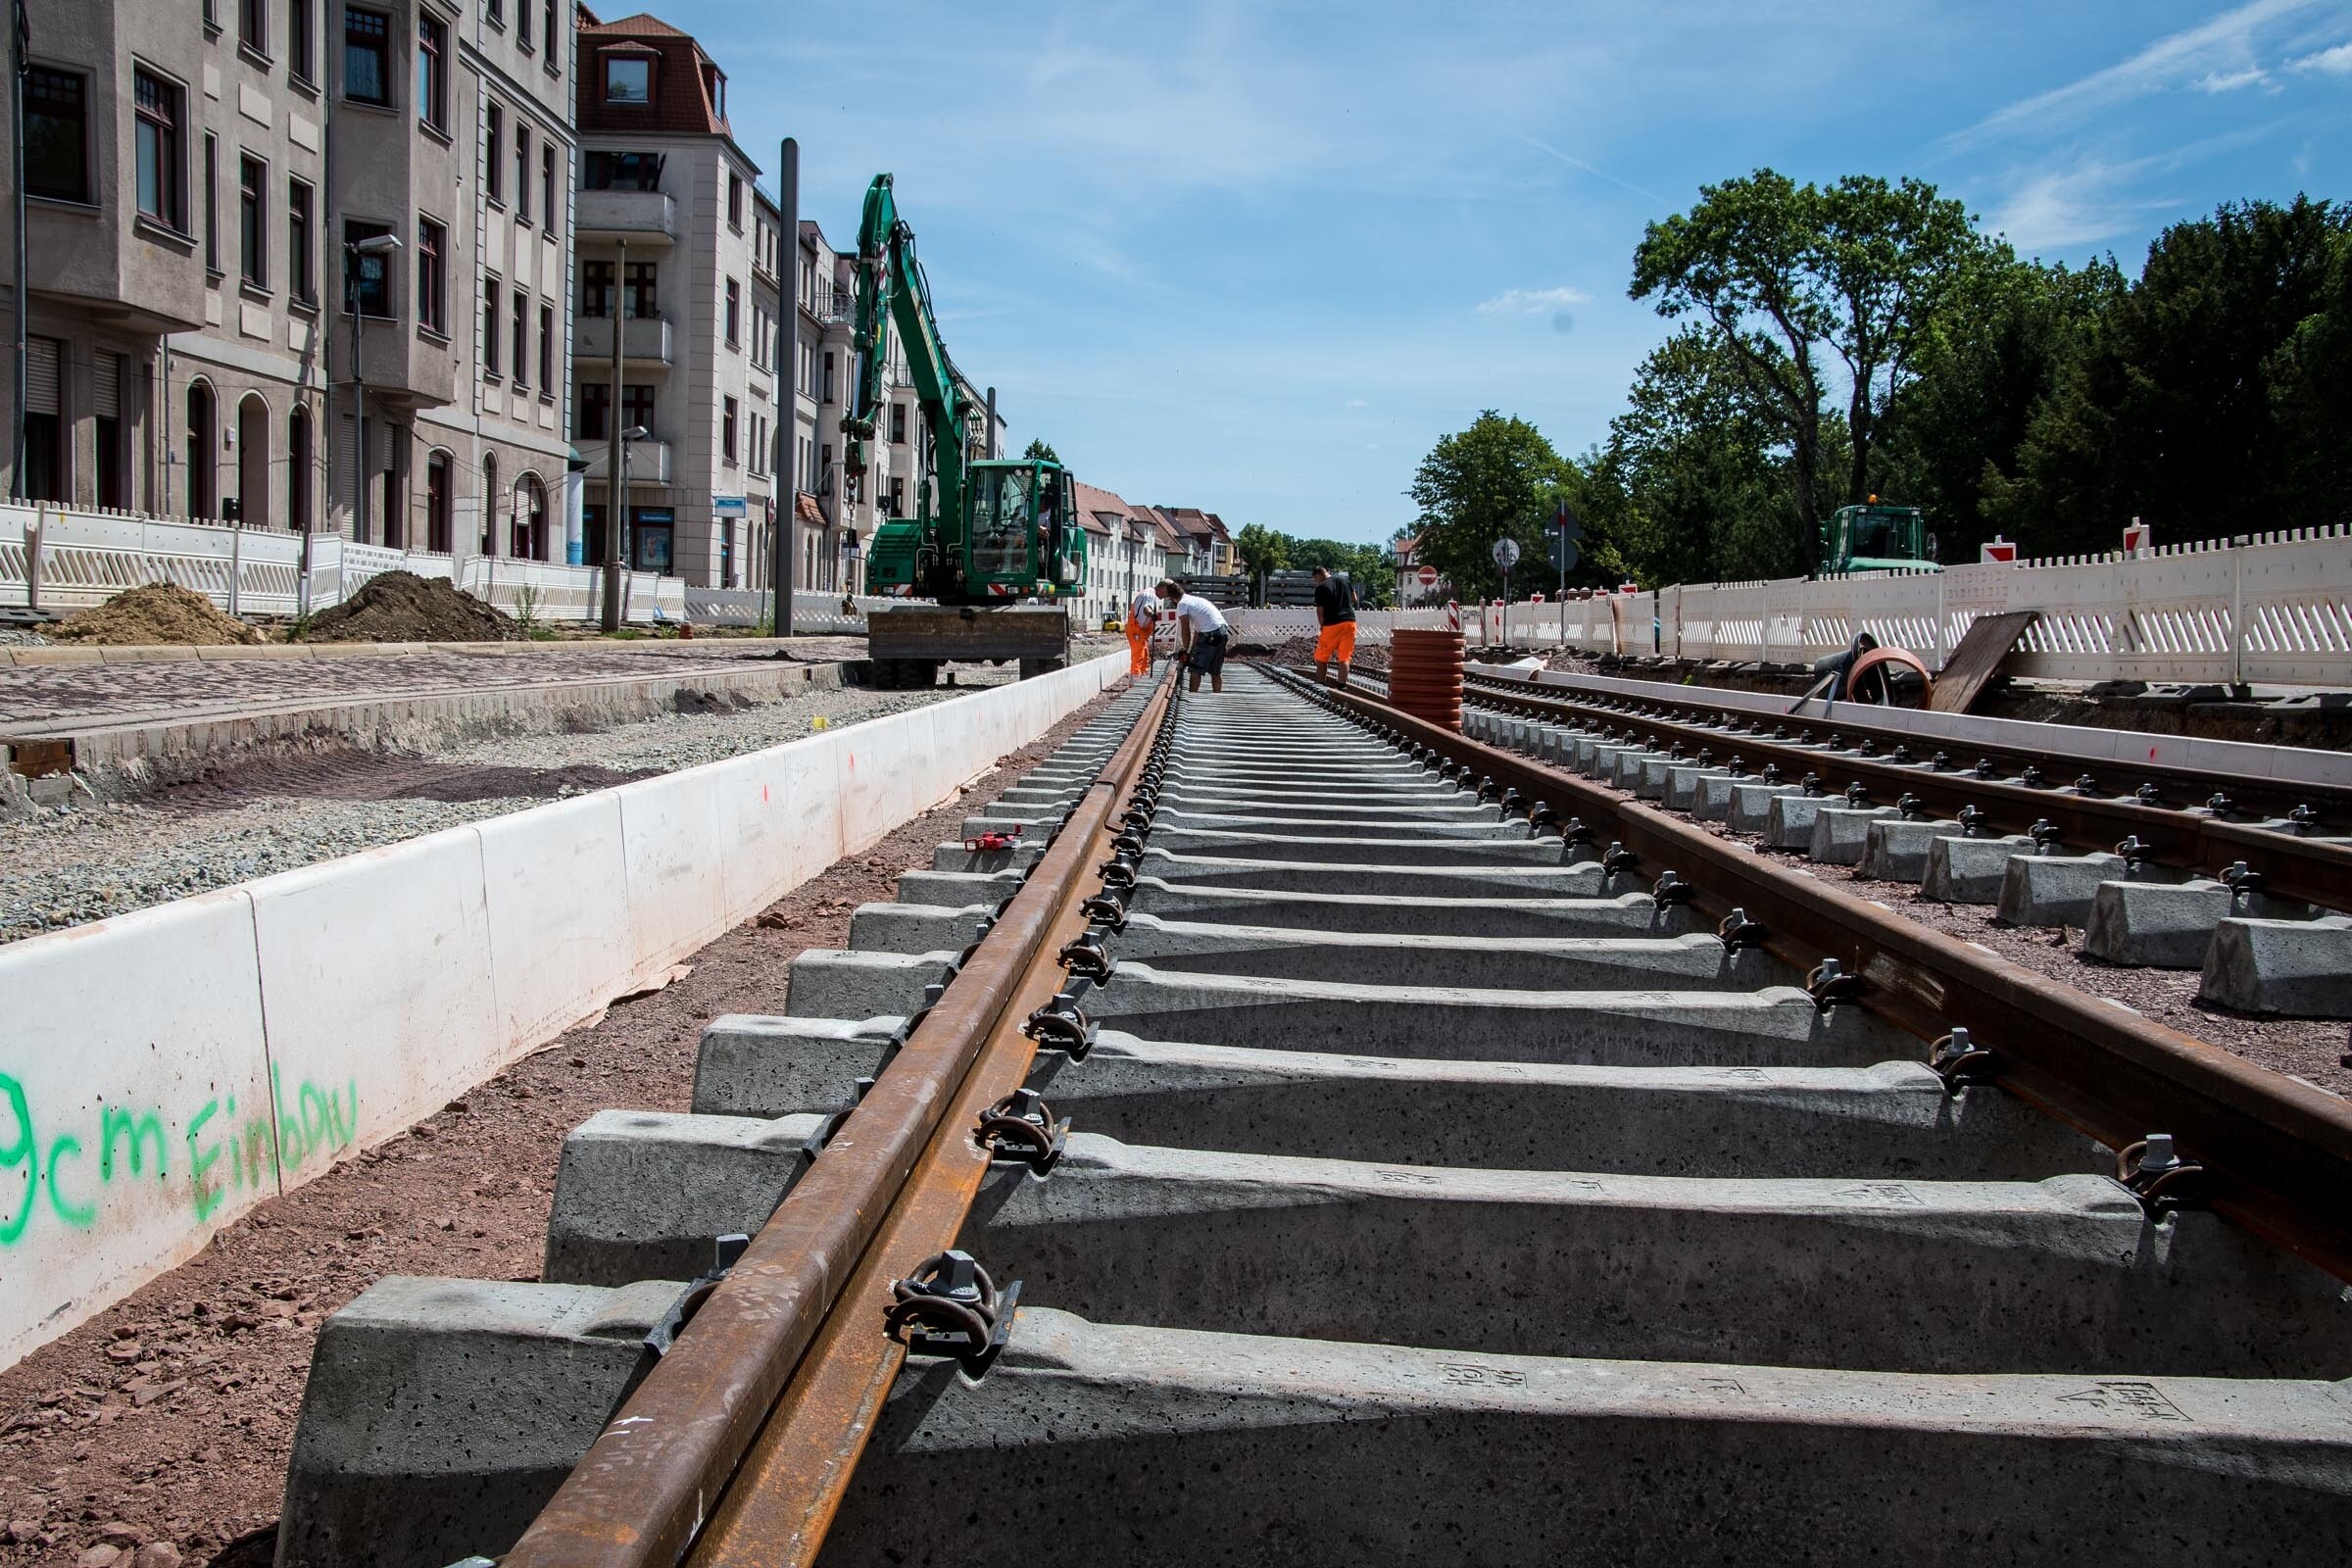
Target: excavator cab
<point>1021,538</point>
<point>1874,538</point>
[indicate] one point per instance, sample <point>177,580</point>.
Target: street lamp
<point>352,251</point>
<point>635,432</point>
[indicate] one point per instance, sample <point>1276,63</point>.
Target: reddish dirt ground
<point>158,1433</point>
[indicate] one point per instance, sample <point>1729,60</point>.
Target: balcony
<point>649,460</point>
<point>642,217</point>
<point>644,341</point>
<point>832,305</point>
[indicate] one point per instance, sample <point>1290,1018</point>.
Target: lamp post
<point>352,251</point>
<point>617,554</point>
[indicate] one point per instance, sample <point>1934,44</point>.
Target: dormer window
<point>630,79</point>
<point>718,95</point>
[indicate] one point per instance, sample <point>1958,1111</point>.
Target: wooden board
<point>1983,646</point>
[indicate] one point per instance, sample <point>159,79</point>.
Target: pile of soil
<point>155,612</point>
<point>1299,652</point>
<point>400,606</point>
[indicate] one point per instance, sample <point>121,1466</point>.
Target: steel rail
<point>649,1484</point>
<point>783,1499</point>
<point>2292,867</point>
<point>2277,1153</point>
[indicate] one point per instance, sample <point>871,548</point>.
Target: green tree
<point>2209,400</point>
<point>1788,280</point>
<point>1261,549</point>
<point>1040,452</point>
<point>1500,478</point>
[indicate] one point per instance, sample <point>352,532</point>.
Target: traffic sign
<point>1564,555</point>
<point>1428,576</point>
<point>1564,522</point>
<point>1507,553</point>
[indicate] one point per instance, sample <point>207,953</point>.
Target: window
<point>551,32</point>
<point>641,301</point>
<point>726,428</point>
<point>828,375</point>
<point>489,502</point>
<point>432,49</point>
<point>368,278</point>
<point>734,312</point>
<point>547,186</point>
<point>897,506</point>
<point>433,277</point>
<point>495,140</point>
<point>44,473</point>
<point>522,339</point>
<point>719,93</point>
<point>898,425</point>
<point>735,202</point>
<point>491,293</point>
<point>595,405</point>
<point>366,56</point>
<point>522,171</point>
<point>253,25</point>
<point>522,25</point>
<point>252,221</point>
<point>158,134</point>
<point>57,135</point>
<point>495,11</point>
<point>624,170</point>
<point>212,204</point>
<point>302,267</point>
<point>108,372</point>
<point>302,41</point>
<point>596,288</point>
<point>630,79</point>
<point>437,503</point>
<point>637,407</point>
<point>298,470</point>
<point>547,351</point>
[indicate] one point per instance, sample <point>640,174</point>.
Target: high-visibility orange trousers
<point>1139,648</point>
<point>1335,641</point>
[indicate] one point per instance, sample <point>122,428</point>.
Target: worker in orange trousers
<point>1334,609</point>
<point>1143,614</point>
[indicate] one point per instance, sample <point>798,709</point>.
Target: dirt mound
<point>155,612</point>
<point>400,606</point>
<point>1299,652</point>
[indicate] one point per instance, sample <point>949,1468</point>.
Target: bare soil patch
<point>155,614</point>
<point>168,1419</point>
<point>400,606</point>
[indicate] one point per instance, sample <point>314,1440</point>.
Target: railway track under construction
<point>1287,1132</point>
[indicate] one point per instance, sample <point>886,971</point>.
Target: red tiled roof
<point>681,99</point>
<point>809,511</point>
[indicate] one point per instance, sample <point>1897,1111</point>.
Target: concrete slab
<point>1501,915</point>
<point>2061,1275</point>
<point>2041,890</point>
<point>835,983</point>
<point>1297,1451</point>
<point>1892,1119</point>
<point>2155,925</point>
<point>1963,870</point>
<point>957,887</point>
<point>646,1195</point>
<point>2292,968</point>
<point>1697,962</point>
<point>755,1064</point>
<point>441,1415</point>
<point>1776,1026</point>
<point>1897,850</point>
<point>1749,810</point>
<point>955,857</point>
<point>1418,849</point>
<point>1841,833</point>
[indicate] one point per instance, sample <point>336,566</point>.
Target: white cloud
<point>2337,62</point>
<point>2220,81</point>
<point>1533,301</point>
<point>2216,50</point>
<point>2094,196</point>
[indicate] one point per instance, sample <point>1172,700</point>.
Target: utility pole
<point>616,482</point>
<point>788,377</point>
<point>20,34</point>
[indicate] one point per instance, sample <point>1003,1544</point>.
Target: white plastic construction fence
<point>64,561</point>
<point>2275,609</point>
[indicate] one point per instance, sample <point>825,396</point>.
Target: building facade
<point>240,210</point>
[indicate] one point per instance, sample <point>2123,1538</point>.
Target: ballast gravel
<point>92,861</point>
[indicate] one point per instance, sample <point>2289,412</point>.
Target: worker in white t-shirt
<point>1202,635</point>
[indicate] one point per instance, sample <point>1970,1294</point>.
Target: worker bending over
<point>1202,635</point>
<point>1143,614</point>
<point>1335,611</point>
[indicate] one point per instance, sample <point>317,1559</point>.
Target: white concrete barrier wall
<point>162,1073</point>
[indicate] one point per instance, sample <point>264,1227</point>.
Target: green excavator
<point>995,543</point>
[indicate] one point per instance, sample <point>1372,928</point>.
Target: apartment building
<point>668,255</point>
<point>231,202</point>
<point>1124,551</point>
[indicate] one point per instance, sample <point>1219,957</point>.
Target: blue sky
<point>1257,258</point>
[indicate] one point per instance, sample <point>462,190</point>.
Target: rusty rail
<point>2277,1152</point>
<point>737,1443</point>
<point>2291,867</point>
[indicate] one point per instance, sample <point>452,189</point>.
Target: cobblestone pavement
<point>48,692</point>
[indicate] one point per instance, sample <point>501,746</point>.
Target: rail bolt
<point>2158,1176</point>
<point>1959,1063</point>
<point>1911,808</point>
<point>951,1308</point>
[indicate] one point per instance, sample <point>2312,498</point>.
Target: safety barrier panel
<point>2275,609</point>
<point>162,1073</point>
<point>66,560</point>
<point>812,611</point>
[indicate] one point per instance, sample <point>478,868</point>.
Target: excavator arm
<point>892,292</point>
